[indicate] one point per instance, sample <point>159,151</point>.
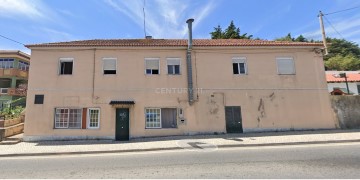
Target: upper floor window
<point>173,65</point>
<point>285,65</point>
<point>6,63</point>
<point>152,66</point>
<point>23,66</point>
<point>109,65</point>
<point>66,66</point>
<point>239,65</point>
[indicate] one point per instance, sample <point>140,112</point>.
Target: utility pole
<point>343,75</point>
<point>323,31</point>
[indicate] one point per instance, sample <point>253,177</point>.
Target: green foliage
<point>217,34</point>
<point>231,32</point>
<point>342,47</point>
<point>343,63</point>
<point>10,113</point>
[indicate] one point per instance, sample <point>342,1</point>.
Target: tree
<point>218,33</point>
<point>341,47</point>
<point>343,63</point>
<point>231,32</point>
<point>301,38</point>
<point>286,38</point>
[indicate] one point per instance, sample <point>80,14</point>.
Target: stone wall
<point>11,127</point>
<point>347,110</point>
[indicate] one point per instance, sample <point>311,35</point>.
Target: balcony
<point>13,72</point>
<point>11,92</point>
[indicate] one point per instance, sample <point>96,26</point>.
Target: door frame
<point>116,121</point>
<point>241,119</point>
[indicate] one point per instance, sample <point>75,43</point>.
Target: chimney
<point>189,22</point>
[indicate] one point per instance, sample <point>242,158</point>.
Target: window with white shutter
<point>173,65</point>
<point>152,66</point>
<point>285,65</point>
<point>239,65</point>
<point>109,65</point>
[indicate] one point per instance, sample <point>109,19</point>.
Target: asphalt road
<point>302,161</point>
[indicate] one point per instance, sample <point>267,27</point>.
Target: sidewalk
<point>176,143</point>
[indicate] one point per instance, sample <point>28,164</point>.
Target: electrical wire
<point>12,40</point>
<point>334,27</point>
<point>342,10</point>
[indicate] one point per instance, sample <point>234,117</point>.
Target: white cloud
<point>54,35</point>
<point>33,9</point>
<point>164,19</point>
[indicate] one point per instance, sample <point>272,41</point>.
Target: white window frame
<point>66,60</point>
<point>88,118</point>
<point>286,58</point>
<point>107,59</point>
<point>68,118</point>
<point>151,59</point>
<point>8,66</point>
<point>146,127</point>
<point>24,66</point>
<point>173,58</point>
<point>244,61</point>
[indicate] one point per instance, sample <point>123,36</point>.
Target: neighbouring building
<point>127,88</point>
<point>337,84</point>
<point>14,67</point>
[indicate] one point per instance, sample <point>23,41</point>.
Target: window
<point>39,99</point>
<point>239,65</point>
<point>152,116</point>
<point>93,117</point>
<point>152,66</point>
<point>23,66</point>
<point>173,65</point>
<point>66,66</point>
<point>6,63</point>
<point>68,118</point>
<point>161,117</point>
<point>168,117</point>
<point>109,65</point>
<point>285,65</point>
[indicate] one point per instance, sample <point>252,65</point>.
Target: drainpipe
<point>188,62</point>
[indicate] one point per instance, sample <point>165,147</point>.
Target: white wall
<point>352,87</point>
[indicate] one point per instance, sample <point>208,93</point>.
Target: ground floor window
<point>68,118</point>
<point>93,117</point>
<point>161,117</point>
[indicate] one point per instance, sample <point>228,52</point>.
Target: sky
<point>42,21</point>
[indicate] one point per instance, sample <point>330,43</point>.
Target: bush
<point>10,113</point>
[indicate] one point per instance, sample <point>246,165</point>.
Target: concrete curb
<point>175,148</point>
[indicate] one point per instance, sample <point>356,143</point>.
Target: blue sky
<point>40,21</point>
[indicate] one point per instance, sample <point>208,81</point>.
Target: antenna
<point>144,19</point>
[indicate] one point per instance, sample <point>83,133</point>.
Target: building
<point>336,82</point>
<point>127,88</point>
<point>14,67</point>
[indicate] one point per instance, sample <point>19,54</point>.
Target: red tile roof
<point>170,42</point>
<point>332,78</point>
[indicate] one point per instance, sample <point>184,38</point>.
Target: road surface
<point>300,161</point>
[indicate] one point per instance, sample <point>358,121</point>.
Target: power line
<point>12,40</point>
<point>333,27</point>
<point>343,10</point>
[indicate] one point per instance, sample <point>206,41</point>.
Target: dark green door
<point>122,124</point>
<point>233,119</point>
